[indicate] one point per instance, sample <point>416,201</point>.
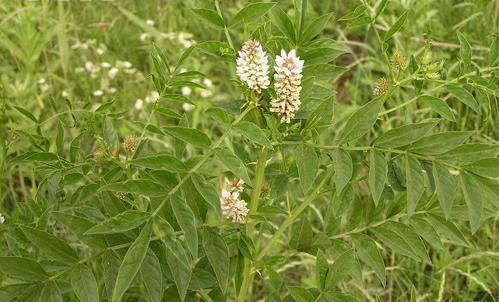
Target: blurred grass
<point>37,40</point>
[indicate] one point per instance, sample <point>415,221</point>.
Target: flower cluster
<point>287,84</point>
<point>252,66</point>
<point>399,61</point>
<point>233,207</point>
<point>381,87</point>
<point>130,144</point>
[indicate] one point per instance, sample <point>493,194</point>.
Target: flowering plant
<point>269,155</point>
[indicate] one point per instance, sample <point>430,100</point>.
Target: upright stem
<point>250,226</point>
<point>291,218</point>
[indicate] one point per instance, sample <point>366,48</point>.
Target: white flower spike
<point>287,84</point>
<point>252,66</point>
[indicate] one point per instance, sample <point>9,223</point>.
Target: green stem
<point>201,162</point>
<point>226,30</point>
<point>294,215</point>
<point>250,226</point>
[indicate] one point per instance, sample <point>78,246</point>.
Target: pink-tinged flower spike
<point>252,66</point>
<point>287,85</point>
<point>233,208</point>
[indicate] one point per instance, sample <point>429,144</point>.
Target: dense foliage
<point>243,151</point>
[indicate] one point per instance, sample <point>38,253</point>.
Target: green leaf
<point>218,255</point>
<point>342,266</point>
<point>361,121</point>
<point>110,266</point>
<point>321,269</point>
<point>426,230</point>
<point>473,197</point>
<point>35,157</point>
<point>465,97</point>
<point>440,106</point>
<point>50,292</point>
<point>488,167</point>
<point>22,268</point>
<point>183,57</point>
<point>59,141</point>
<point>414,182</point>
<point>233,163</point>
<point>123,222</point>
<point>395,242</point>
<point>208,192</point>
<point>26,113</point>
<point>79,225</point>
<point>447,229</point>
<point>307,163</point>
<point>315,27</point>
<point>132,262</point>
<point>152,277</point>
<point>300,294</point>
<point>301,234</point>
<point>446,187</point>
<point>381,7</point>
<point>410,237</point>
<point>471,152</point>
<point>282,21</point>
<point>403,135</point>
<point>50,246</point>
<point>377,174</point>
<point>252,12</point>
<point>186,220</point>
<point>464,49</point>
<point>211,16</point>
<point>160,162</point>
<point>178,262</point>
<point>395,27</point>
<point>110,134</point>
<point>84,284</point>
<point>188,135</point>
<point>252,132</point>
<point>343,169</point>
<point>104,107</point>
<point>368,252</point>
<point>145,187</point>
<point>440,143</point>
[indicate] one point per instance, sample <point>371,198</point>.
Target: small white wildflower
<point>124,64</point>
<point>143,37</point>
<point>186,91</point>
<point>100,51</point>
<point>79,45</point>
<point>208,83</point>
<point>2,219</point>
<point>187,107</point>
<point>150,22</point>
<point>98,92</point>
<point>89,66</point>
<point>252,66</point>
<point>44,87</point>
<point>112,90</point>
<point>64,93</point>
<point>287,84</point>
<point>41,81</point>
<point>139,104</point>
<point>153,97</point>
<point>233,208</point>
<point>105,65</point>
<point>185,39</point>
<point>205,93</point>
<point>112,72</point>
<point>79,69</point>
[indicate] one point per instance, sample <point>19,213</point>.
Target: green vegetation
<point>249,151</point>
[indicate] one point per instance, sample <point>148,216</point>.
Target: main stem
<point>291,218</point>
<point>250,226</point>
